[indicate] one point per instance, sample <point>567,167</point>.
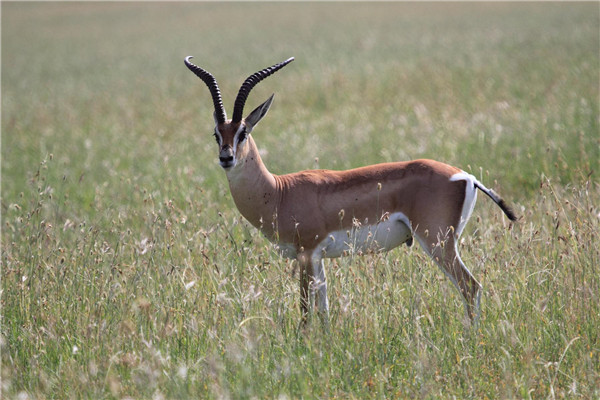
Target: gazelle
<point>317,214</point>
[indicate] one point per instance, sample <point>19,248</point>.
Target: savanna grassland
<point>127,272</point>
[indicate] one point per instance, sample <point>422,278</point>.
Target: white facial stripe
<point>236,139</point>
<point>219,136</point>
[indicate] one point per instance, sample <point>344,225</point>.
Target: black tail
<point>498,200</point>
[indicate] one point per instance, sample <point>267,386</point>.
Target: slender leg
<point>445,254</point>
<point>313,286</point>
<point>464,281</point>
<point>319,286</point>
<point>305,274</point>
<point>469,287</point>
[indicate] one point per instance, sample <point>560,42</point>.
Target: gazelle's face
<point>231,138</point>
<point>232,135</point>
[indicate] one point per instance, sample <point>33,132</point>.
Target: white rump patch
<point>470,198</point>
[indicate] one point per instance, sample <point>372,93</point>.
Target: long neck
<point>253,189</point>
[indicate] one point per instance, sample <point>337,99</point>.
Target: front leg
<point>319,287</point>
<point>313,285</point>
<point>305,277</point>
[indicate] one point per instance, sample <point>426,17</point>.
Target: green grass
<point>128,272</point>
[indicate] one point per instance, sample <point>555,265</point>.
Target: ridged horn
<point>211,82</point>
<point>249,83</point>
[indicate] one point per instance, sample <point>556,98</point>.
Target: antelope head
<point>232,134</point>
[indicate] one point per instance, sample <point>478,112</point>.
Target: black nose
<point>226,156</point>
<point>225,160</point>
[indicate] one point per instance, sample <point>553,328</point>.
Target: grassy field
<point>127,272</point>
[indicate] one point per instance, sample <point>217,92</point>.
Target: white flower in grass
<point>189,285</point>
<point>144,245</point>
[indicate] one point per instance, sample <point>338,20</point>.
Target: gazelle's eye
<point>216,137</point>
<point>242,136</point>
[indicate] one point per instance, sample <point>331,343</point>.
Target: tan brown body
<point>303,207</point>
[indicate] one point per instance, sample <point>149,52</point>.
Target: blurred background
<point>511,87</point>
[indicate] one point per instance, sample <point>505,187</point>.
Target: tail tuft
<point>498,200</point>
<point>507,210</point>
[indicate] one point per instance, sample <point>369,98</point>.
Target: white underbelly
<point>379,237</point>
<point>375,238</point>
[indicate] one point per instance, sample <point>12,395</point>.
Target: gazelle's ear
<point>258,113</point>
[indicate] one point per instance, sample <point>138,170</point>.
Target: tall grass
<point>128,272</point>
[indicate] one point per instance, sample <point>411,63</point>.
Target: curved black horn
<point>211,82</point>
<point>249,83</point>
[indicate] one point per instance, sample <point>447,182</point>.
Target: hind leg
<point>466,283</point>
<point>444,252</point>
